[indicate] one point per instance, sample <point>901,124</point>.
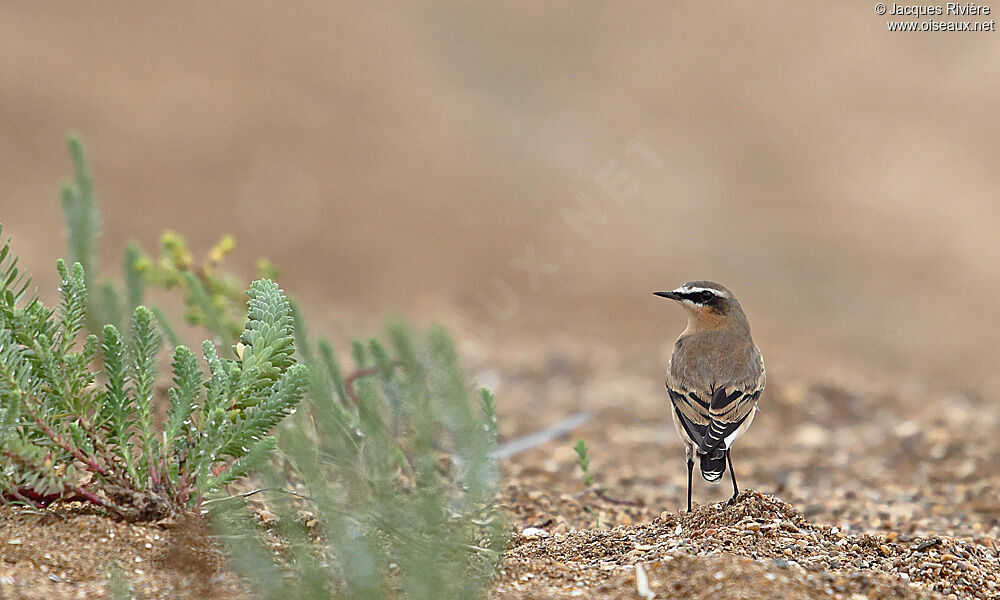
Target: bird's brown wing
<point>729,408</point>
<point>692,410</point>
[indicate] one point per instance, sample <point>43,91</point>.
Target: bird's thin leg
<point>690,471</point>
<point>732,473</point>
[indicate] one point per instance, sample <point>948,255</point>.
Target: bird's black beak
<point>669,295</point>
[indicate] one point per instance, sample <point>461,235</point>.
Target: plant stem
<point>89,461</point>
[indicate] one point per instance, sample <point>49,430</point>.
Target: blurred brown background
<point>841,179</point>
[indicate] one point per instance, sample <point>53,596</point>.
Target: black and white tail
<point>713,464</point>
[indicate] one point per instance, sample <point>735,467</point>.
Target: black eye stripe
<point>702,297</point>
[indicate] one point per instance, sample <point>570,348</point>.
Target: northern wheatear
<point>714,378</point>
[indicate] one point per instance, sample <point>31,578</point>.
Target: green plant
<point>83,234</point>
<point>583,459</point>
<point>83,220</point>
<point>212,296</point>
<point>67,436</point>
<point>395,459</point>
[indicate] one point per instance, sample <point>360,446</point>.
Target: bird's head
<point>709,305</point>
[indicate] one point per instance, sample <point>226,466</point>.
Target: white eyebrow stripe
<point>688,290</point>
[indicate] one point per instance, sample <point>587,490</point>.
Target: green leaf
<point>144,346</point>
<point>188,383</point>
<point>332,367</point>
<point>83,219</point>
<point>208,313</point>
<point>168,331</point>
<point>73,302</point>
<point>268,339</point>
<point>116,410</point>
<point>135,281</point>
<point>255,422</point>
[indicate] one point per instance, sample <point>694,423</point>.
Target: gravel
<point>749,542</point>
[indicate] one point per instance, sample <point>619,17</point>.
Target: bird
<point>714,378</point>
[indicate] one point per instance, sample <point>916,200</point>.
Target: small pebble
<point>534,532</point>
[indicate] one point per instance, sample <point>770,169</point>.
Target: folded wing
<point>727,411</point>
<point>692,413</point>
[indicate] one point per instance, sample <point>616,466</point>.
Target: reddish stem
<point>350,379</point>
<point>74,492</point>
<point>358,374</point>
<point>25,495</point>
<point>117,473</point>
<point>58,439</point>
<point>89,496</point>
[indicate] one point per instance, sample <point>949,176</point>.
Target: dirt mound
<point>759,528</point>
<point>750,505</point>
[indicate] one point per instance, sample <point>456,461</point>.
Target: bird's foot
<point>731,501</point>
